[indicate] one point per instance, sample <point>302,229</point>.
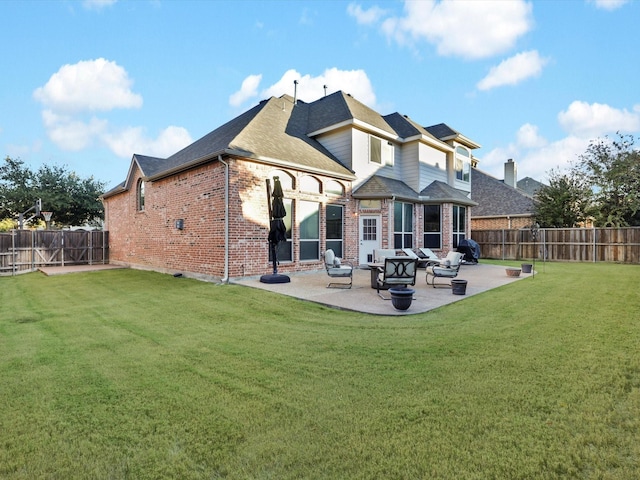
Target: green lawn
<point>132,374</point>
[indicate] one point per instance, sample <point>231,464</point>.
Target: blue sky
<point>86,84</point>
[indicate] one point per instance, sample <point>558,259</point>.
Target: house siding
<point>339,143</point>
<point>433,164</point>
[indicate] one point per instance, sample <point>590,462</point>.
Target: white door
<point>369,237</point>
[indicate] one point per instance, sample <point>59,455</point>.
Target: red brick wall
<point>501,223</point>
<point>149,239</point>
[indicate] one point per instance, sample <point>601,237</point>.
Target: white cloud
<point>536,156</point>
<point>528,137</point>
<point>92,85</point>
<point>597,119</point>
<point>608,4</point>
<point>97,4</point>
<point>70,133</point>
<point>514,70</point>
<point>133,140</point>
<point>365,17</point>
<point>75,92</point>
<point>248,89</point>
<point>464,29</point>
<point>310,88</point>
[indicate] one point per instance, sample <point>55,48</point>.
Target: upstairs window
<point>463,164</point>
<point>140,196</point>
<point>380,151</point>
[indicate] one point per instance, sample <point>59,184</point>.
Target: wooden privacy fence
<point>568,244</point>
<point>26,250</point>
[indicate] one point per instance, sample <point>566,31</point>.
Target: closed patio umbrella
<point>277,231</point>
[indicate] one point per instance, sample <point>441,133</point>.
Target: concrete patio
<point>361,297</point>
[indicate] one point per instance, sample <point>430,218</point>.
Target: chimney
<point>511,173</point>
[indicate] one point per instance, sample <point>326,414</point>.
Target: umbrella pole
<point>269,198</point>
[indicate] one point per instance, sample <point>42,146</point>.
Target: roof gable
<point>339,108</point>
<point>273,131</point>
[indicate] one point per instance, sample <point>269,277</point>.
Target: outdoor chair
<point>338,268</point>
<point>425,256</point>
<point>447,267</point>
<point>397,272</point>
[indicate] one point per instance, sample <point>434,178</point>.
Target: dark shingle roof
<point>529,185</point>
<point>274,130</point>
<point>437,192</point>
<point>495,198</point>
<point>440,192</point>
<point>383,187</point>
<point>442,131</point>
<point>340,107</point>
<point>150,166</point>
<point>405,127</point>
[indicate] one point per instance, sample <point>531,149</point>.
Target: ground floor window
<point>459,224</point>
<point>309,213</point>
<point>432,226</point>
<point>402,225</point>
<point>285,249</point>
<point>334,229</point>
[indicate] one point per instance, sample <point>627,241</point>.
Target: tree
<point>612,168</point>
<point>565,202</point>
<point>16,188</point>
<point>73,200</point>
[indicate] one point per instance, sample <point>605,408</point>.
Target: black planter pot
<point>458,286</point>
<point>526,267</point>
<point>401,297</point>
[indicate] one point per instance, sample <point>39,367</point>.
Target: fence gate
<point>26,250</point>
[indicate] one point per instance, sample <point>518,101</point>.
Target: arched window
<point>462,151</point>
<point>140,195</point>
<point>310,184</point>
<point>286,180</point>
<point>334,188</point>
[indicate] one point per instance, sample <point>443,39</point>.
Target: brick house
<point>502,204</point>
<point>353,181</point>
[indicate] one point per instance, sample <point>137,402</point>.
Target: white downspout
<point>225,279</point>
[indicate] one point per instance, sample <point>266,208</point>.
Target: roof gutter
<point>225,278</point>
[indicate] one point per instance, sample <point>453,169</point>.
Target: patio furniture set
<point>395,271</point>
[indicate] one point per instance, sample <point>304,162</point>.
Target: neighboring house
<point>529,186</point>
<point>353,181</point>
<point>501,204</point>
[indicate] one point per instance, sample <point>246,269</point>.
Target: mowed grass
<point>133,374</point>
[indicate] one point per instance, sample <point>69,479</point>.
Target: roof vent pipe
<point>295,92</point>
<point>325,90</point>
